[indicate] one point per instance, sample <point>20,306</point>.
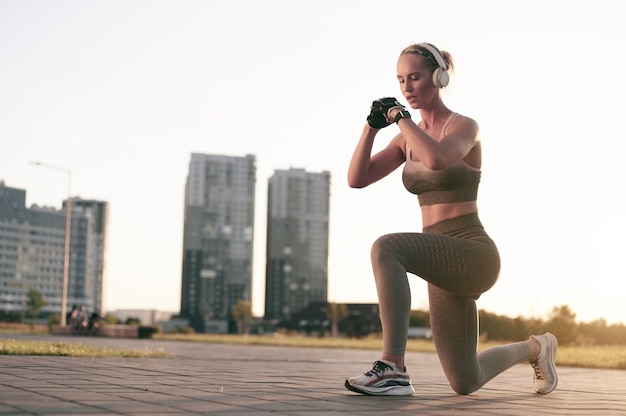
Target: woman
<point>442,161</point>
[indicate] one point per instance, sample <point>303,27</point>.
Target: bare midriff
<point>432,214</point>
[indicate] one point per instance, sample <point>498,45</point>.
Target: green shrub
<point>54,319</point>
<point>148,331</point>
<point>184,330</point>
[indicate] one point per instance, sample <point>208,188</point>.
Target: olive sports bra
<point>458,183</point>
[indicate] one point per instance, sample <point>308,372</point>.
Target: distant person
<point>441,154</point>
<point>73,314</point>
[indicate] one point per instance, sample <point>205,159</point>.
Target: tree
<point>242,314</point>
<point>335,312</point>
<point>499,327</point>
<point>133,321</point>
<point>419,319</point>
<point>34,302</point>
<point>562,324</point>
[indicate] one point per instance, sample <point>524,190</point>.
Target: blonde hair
<point>431,60</point>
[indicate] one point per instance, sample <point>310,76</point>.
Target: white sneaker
<point>545,379</point>
<point>384,379</point>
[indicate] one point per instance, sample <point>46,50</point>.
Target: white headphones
<point>440,74</point>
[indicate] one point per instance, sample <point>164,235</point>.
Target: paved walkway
<point>235,380</point>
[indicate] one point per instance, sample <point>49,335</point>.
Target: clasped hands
<point>383,112</point>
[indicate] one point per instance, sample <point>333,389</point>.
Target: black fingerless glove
<point>376,119</point>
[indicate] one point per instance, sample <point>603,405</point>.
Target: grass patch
<point>606,356</point>
<point>275,340</point>
<point>67,349</point>
<point>25,330</point>
<point>602,357</point>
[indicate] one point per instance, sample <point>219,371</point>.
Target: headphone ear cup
<point>441,78</point>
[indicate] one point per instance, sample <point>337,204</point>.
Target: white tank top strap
<point>444,130</point>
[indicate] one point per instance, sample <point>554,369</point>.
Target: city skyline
<point>121,93</point>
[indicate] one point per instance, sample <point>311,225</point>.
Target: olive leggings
<point>459,261</point>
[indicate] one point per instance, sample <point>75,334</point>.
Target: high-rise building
<point>297,242</point>
<point>88,258</point>
<point>32,245</point>
<point>218,239</point>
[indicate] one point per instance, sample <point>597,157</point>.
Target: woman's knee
<point>461,385</point>
<point>382,248</point>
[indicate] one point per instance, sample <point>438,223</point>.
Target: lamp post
<point>68,229</point>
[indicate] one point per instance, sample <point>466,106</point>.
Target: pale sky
<point>122,92</point>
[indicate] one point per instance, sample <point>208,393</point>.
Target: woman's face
<point>415,79</point>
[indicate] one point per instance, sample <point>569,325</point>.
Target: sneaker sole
<point>553,347</point>
<point>391,391</point>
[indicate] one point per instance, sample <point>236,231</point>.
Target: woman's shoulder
<point>461,121</point>
<point>463,118</point>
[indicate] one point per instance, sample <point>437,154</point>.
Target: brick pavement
<point>236,380</point>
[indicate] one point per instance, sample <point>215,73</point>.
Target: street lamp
<point>68,229</point>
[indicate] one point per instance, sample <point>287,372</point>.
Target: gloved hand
<point>377,118</point>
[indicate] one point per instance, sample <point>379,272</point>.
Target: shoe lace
<point>537,369</point>
<point>378,369</point>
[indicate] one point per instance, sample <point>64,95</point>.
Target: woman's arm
<point>461,138</point>
<point>366,169</point>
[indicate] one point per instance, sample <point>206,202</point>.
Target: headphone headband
<point>436,55</point>
<point>440,74</point>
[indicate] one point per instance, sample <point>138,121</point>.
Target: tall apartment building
<point>297,242</point>
<point>89,256</point>
<point>218,239</point>
<point>32,244</point>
